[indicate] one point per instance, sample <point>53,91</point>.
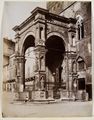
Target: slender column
<point>71,54</point>
<point>20,73</point>
<point>70,57</point>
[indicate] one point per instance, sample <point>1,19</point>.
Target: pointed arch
<point>80,26</point>
<point>81,65</point>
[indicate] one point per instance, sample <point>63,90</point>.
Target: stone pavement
<point>55,109</point>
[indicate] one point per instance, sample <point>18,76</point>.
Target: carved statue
<point>42,83</point>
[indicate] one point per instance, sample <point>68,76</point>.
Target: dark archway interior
<point>54,57</point>
<point>55,54</point>
<point>29,42</point>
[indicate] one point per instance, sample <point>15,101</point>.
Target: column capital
<point>20,59</point>
<point>40,49</point>
<point>71,54</point>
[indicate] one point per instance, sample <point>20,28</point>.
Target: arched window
<point>80,27</point>
<point>73,40</point>
<point>41,32</point>
<point>78,31</point>
<point>81,64</point>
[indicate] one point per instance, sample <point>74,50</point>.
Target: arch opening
<point>54,58</point>
<point>29,42</point>
<point>55,54</point>
<point>29,56</point>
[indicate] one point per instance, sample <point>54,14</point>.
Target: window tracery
<point>80,27</point>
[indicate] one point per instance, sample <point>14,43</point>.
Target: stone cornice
<point>47,16</point>
<point>61,18</point>
<point>39,10</point>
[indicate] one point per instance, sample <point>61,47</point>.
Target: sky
<point>15,13</point>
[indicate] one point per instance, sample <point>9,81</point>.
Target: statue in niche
<point>42,82</point>
<point>42,64</point>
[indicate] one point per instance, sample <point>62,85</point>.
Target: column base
<point>64,95</point>
<point>50,95</point>
<point>38,95</point>
<point>21,87</point>
<point>22,96</point>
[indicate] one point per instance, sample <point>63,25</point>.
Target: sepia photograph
<point>47,59</point>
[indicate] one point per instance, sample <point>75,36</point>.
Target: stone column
<point>20,73</point>
<point>19,64</point>
<point>40,74</point>
<point>70,57</point>
<point>40,66</point>
<point>39,92</point>
<point>71,54</point>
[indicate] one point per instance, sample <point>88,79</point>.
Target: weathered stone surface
<point>57,46</point>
